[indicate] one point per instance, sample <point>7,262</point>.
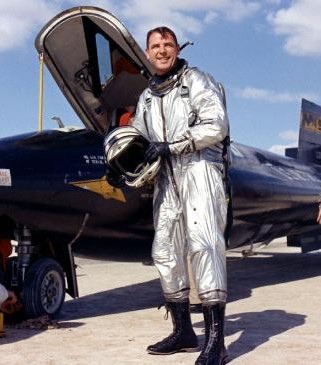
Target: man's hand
<point>12,304</point>
<point>12,298</point>
<point>114,179</point>
<point>155,150</point>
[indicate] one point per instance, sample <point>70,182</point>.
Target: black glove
<point>155,150</point>
<point>114,179</point>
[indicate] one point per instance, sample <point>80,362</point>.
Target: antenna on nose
<point>188,43</point>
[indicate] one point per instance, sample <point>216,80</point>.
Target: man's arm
<point>138,121</point>
<point>211,126</point>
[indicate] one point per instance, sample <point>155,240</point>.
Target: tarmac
<point>272,315</point>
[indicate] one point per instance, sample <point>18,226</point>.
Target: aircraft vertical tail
<point>309,149</point>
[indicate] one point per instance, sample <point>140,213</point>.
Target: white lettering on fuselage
<point>5,177</point>
<point>94,159</point>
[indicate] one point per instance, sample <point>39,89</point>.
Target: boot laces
<point>170,340</point>
<point>167,310</point>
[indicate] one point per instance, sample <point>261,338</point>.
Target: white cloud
<point>210,17</point>
<point>289,135</point>
<point>279,149</point>
<point>274,2</point>
<point>185,17</point>
<point>273,96</point>
<point>230,9</point>
<point>18,19</point>
<point>301,26</point>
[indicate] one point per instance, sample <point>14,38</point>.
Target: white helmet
<point>125,150</point>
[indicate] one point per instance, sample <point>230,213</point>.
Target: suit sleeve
<point>211,125</point>
<point>138,121</point>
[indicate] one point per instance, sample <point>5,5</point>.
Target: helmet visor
<point>130,161</point>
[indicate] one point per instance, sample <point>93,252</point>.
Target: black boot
<point>183,337</point>
<point>213,351</point>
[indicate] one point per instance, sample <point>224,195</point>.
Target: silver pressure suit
<point>190,205</point>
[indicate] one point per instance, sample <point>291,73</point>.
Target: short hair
<point>162,31</point>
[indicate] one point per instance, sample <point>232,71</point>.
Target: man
<point>182,114</point>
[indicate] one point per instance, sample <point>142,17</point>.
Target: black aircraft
<point>52,183</point>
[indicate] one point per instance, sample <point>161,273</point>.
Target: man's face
<point>162,52</point>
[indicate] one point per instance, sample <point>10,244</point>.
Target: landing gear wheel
<point>11,264</point>
<point>43,288</point>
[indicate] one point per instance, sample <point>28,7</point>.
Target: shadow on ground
<point>115,250</point>
<point>264,269</point>
<point>256,328</point>
<point>119,300</point>
<point>244,274</point>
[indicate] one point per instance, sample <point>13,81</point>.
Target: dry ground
<point>273,314</point>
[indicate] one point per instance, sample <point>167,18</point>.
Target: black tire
<point>43,288</point>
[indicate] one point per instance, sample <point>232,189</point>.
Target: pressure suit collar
<point>160,85</point>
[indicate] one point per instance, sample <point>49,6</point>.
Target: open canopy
<point>96,62</point>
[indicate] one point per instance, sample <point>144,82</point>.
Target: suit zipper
<point>168,160</point>
<point>163,119</point>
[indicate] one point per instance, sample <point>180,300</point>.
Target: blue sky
<point>267,54</point>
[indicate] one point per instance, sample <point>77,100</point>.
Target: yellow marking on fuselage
<point>101,187</point>
<point>311,121</point>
